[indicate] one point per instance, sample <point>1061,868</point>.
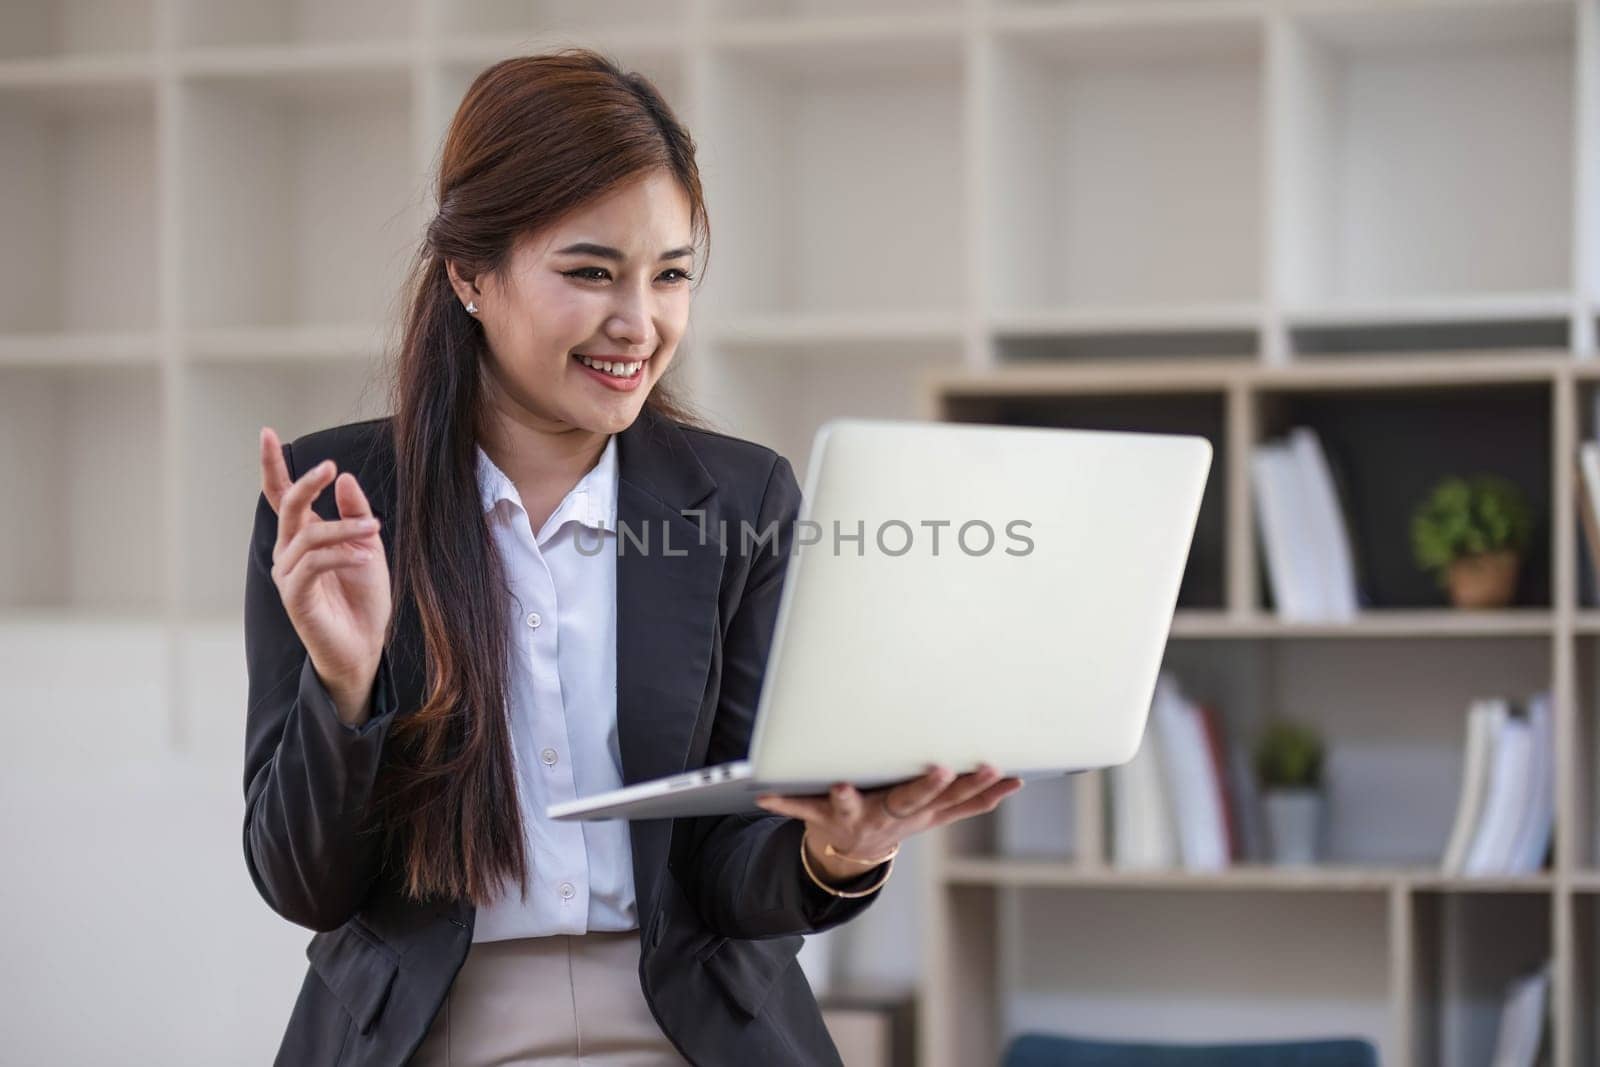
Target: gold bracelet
<point>805,861</point>
<point>830,851</point>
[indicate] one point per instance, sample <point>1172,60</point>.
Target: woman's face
<point>610,282</point>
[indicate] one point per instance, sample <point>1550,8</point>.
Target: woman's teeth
<point>615,369</point>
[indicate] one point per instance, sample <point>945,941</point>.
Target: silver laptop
<point>1009,602</point>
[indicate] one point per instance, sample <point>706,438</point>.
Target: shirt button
<point>549,757</point>
<point>534,620</point>
<point>568,891</point>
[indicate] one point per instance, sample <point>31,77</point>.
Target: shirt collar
<point>592,502</point>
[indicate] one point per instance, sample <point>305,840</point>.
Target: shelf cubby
<point>86,531</point>
<point>224,407</point>
<point>1424,153</point>
<point>1503,428</point>
<point>311,175</point>
<point>1125,170</point>
<point>79,193</point>
<point>207,23</point>
<point>1390,806</point>
<point>1395,744</point>
<point>1132,966</point>
<point>833,169</point>
<point>44,29</point>
<point>1465,950</point>
<point>1585,928</point>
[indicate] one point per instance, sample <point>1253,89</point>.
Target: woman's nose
<point>632,323</point>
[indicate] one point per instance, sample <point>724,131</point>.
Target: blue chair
<point>1049,1050</point>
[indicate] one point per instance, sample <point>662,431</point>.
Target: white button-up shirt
<point>561,609</point>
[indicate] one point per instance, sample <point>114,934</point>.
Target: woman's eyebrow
<point>607,252</point>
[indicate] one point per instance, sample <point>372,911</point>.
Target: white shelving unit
<point>1212,215</point>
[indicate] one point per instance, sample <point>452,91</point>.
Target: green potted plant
<point>1472,532</point>
<point>1288,762</point>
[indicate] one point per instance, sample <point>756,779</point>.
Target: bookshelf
<point>1210,216</point>
<point>1388,690</point>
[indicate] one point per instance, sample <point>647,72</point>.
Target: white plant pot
<point>1294,825</point>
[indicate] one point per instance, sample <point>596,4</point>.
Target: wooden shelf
<point>1529,622</point>
<point>1021,874</point>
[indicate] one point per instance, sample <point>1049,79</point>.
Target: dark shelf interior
<point>1389,447</point>
<point>1204,585</point>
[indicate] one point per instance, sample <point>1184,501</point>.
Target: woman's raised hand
<point>332,576</point>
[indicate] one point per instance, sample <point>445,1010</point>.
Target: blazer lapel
<point>666,603</point>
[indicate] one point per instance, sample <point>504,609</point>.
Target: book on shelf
<point>1538,821</point>
<point>1251,839</point>
<point>1522,1020</point>
<point>1505,808</point>
<point>1176,803</point>
<point>1589,508</point>
<point>1142,836</point>
<point>1305,539</point>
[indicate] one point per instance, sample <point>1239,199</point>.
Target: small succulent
<point>1466,517</point>
<point>1289,756</point>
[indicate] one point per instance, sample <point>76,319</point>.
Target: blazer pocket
<point>357,968</point>
<point>747,970</point>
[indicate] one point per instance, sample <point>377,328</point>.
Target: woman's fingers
<point>321,560</point>
<point>281,491</point>
<point>352,501</point>
<point>342,535</point>
<point>909,799</point>
<point>966,787</point>
<point>275,479</point>
<point>982,803</point>
<point>294,507</point>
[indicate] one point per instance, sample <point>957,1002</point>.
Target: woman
<point>407,728</point>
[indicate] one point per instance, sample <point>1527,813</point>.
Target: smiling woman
<point>407,730</point>
<point>600,298</point>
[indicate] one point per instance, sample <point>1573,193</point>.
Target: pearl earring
<point>472,308</point>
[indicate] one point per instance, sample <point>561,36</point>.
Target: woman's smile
<point>620,374</point>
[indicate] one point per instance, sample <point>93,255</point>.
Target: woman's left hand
<point>870,824</point>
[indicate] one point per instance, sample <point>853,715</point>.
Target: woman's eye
<point>600,274</point>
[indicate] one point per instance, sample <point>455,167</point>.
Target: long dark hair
<point>534,138</point>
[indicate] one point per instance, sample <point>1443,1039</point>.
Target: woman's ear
<point>467,291</point>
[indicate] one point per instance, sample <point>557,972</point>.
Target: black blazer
<point>722,900</point>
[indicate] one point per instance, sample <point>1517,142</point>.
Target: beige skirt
<point>566,999</point>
